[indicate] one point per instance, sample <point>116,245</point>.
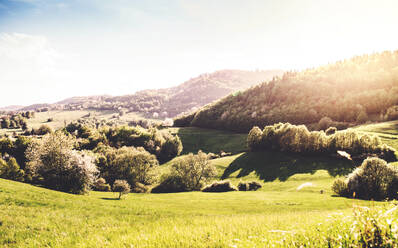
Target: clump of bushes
<point>291,138</point>
<point>220,186</point>
<point>170,184</point>
<point>122,187</point>
<point>249,186</point>
<point>374,179</point>
<point>101,185</point>
<point>140,188</point>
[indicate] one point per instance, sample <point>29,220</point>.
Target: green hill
<point>290,202</point>
<point>348,92</point>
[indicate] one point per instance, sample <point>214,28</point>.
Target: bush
<point>325,123</point>
<point>374,179</point>
<point>221,186</point>
<point>170,184</point>
<point>331,131</point>
<point>340,187</point>
<point>121,187</point>
<point>194,170</point>
<point>10,170</point>
<point>249,186</point>
<point>54,164</point>
<point>101,185</point>
<point>140,188</point>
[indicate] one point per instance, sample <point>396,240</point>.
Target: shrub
<point>254,186</point>
<point>374,179</point>
<point>194,170</point>
<point>140,188</point>
<point>325,123</point>
<point>170,184</point>
<point>221,186</point>
<point>340,187</point>
<point>10,170</point>
<point>331,130</point>
<point>249,186</point>
<point>121,187</point>
<point>43,130</point>
<point>54,164</point>
<point>101,185</point>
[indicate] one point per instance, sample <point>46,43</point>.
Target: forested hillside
<point>169,102</point>
<point>348,92</point>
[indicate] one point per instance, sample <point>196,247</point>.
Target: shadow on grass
<point>271,165</point>
<point>195,139</point>
<point>110,199</point>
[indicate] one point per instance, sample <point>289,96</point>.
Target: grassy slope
<point>207,140</point>
<point>36,217</point>
<point>33,217</point>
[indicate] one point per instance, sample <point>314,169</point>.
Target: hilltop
<point>348,92</point>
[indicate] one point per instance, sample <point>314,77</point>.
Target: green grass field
<point>36,217</point>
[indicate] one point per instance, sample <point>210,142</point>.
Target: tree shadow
<point>271,165</point>
<point>110,199</point>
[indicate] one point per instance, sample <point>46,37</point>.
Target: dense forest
<point>352,91</point>
<point>169,102</point>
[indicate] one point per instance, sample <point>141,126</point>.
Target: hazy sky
<point>50,50</point>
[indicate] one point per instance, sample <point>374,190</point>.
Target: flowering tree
<point>55,164</point>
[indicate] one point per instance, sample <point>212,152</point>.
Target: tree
<point>10,170</point>
<point>54,164</point>
<point>171,148</point>
<point>194,170</point>
<point>122,187</point>
<point>44,129</point>
<point>135,165</point>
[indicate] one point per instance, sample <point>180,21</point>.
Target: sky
<point>54,49</point>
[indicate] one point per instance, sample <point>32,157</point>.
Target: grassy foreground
<point>37,217</point>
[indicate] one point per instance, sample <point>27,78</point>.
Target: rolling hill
<point>345,93</point>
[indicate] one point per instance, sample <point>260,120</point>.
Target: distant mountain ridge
<point>169,102</point>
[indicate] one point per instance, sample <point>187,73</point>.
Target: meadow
<point>295,199</point>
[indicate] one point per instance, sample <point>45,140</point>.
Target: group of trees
<point>79,157</point>
<point>352,91</point>
<point>157,142</point>
<point>291,138</point>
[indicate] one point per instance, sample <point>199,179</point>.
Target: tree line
<point>286,137</point>
<point>353,91</point>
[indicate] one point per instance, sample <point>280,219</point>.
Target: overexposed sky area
<point>53,49</point>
